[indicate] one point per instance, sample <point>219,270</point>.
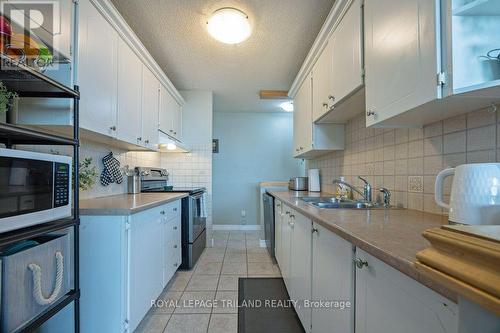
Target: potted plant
<point>87,174</point>
<point>8,100</point>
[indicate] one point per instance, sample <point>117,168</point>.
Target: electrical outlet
<point>416,184</point>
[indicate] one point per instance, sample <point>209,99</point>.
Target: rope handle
<point>37,281</point>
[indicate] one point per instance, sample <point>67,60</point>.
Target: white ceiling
<point>174,32</point>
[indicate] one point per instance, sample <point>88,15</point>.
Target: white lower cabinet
<point>332,280</point>
<point>389,301</point>
<point>300,267</point>
<point>286,246</point>
<point>278,217</point>
<point>125,262</point>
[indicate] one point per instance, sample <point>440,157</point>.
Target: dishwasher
<point>268,201</point>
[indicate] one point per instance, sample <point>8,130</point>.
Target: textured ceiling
<point>174,32</point>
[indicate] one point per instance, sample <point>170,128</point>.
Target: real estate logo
<point>28,31</point>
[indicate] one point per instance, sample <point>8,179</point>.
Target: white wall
<point>254,147</point>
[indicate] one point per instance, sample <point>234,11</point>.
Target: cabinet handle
<point>146,141</point>
<point>175,228</point>
<point>162,212</point>
<point>314,230</point>
<point>175,209</point>
<point>331,97</point>
<point>325,105</point>
<point>171,131</point>
<point>370,113</point>
<point>113,128</point>
<point>175,246</point>
<point>360,263</point>
<point>301,148</point>
<point>175,133</point>
<point>139,139</point>
<point>287,213</point>
<point>175,265</point>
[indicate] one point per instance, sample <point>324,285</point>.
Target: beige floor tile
<point>153,323</point>
<point>229,282</point>
<point>196,302</point>
<point>212,257</point>
<point>236,251</point>
<point>257,250</point>
<point>167,302</point>
<point>259,257</point>
<point>262,268</point>
<point>179,281</point>
<point>223,323</point>
<point>208,268</point>
<point>188,323</point>
<point>226,302</point>
<point>236,244</point>
<point>235,257</point>
<point>253,244</point>
<point>234,268</point>
<point>212,250</point>
<point>217,243</point>
<point>201,282</point>
<point>252,235</point>
<point>237,235</point>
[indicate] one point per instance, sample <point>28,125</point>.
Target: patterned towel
<point>111,172</point>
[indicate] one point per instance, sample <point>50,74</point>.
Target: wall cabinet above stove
<point>430,60</point>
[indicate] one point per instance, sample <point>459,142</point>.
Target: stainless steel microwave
<point>34,188</point>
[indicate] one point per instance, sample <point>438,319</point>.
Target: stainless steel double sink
<point>335,203</point>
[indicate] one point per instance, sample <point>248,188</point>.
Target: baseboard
<point>230,227</point>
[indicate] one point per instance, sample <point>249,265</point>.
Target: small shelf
<point>14,236</point>
<point>479,8</point>
<point>12,134</point>
<point>51,311</point>
<point>28,82</point>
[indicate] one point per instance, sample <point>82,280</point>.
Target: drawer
<point>173,210</point>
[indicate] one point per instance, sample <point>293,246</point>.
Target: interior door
<point>129,113</point>
<point>333,279</point>
<point>346,42</point>
<point>389,301</point>
<point>150,107</point>
<point>97,70</point>
<point>401,58</point>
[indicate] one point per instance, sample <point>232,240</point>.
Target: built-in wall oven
<point>34,188</point>
<point>194,214</point>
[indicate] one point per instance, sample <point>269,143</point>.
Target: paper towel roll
<point>314,183</point>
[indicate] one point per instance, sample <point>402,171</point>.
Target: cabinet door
<point>277,230</point>
<point>333,279</point>
<point>321,83</point>
<point>389,301</point>
<point>302,118</point>
<point>286,246</point>
<point>300,268</point>
<point>346,70</point>
<point>167,110</point>
<point>177,122</point>
<point>146,262</point>
<point>97,70</point>
<point>129,114</point>
<point>150,108</point>
<point>401,59</point>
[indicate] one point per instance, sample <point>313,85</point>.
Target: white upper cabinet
<point>170,114</point>
<point>150,108</point>
<point>129,115</point>
<point>322,83</point>
<point>422,57</point>
<point>97,69</point>
<point>389,301</point>
<point>312,140</point>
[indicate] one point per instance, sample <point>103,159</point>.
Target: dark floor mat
<point>264,306</point>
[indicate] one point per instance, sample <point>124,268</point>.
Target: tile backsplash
<point>406,161</point>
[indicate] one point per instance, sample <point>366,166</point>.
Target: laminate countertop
<point>391,235</point>
<point>126,204</point>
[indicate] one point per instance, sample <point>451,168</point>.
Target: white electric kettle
<point>475,193</point>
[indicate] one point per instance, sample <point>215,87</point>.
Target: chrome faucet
<point>387,196</point>
<point>367,189</point>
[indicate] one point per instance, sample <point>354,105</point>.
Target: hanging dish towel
<point>111,172</point>
<point>203,206</point>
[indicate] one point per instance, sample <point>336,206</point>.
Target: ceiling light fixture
<point>287,106</point>
<point>229,25</point>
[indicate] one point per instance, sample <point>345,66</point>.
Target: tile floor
<point>186,304</point>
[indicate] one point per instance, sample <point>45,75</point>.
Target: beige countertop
<point>126,204</point>
<point>391,235</point>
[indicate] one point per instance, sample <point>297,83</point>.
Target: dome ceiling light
<point>229,25</point>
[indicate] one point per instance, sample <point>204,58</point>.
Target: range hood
<point>166,144</point>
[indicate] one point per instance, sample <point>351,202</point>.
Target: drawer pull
<point>175,246</point>
<point>360,263</point>
<point>37,281</point>
<point>175,209</point>
<point>175,228</point>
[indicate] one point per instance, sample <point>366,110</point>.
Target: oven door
<point>197,216</point>
<point>32,190</point>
